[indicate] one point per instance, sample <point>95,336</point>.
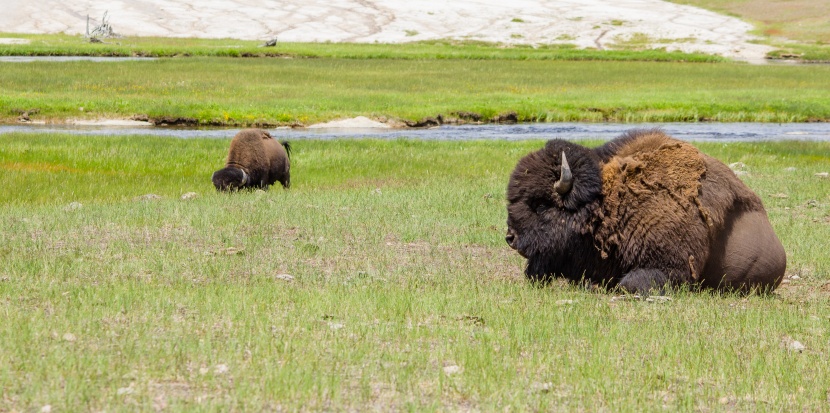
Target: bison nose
<point>510,238</point>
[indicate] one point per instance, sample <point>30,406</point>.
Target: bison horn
<point>566,179</point>
<point>245,177</point>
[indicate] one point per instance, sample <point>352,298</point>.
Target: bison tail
<point>287,147</point>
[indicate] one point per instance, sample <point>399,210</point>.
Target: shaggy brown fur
<point>645,211</point>
<point>255,160</point>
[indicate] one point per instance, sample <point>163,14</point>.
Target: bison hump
<point>651,190</point>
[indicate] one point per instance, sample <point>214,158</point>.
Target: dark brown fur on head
<point>229,179</point>
<point>255,160</point>
<point>644,211</point>
<point>542,224</point>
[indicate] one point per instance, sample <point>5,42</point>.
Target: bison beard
<point>640,213</point>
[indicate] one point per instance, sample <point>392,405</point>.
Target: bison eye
<point>538,205</point>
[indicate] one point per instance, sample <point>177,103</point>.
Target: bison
<point>255,160</point>
<point>640,213</point>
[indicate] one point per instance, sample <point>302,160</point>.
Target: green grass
<point>66,45</point>
<point>808,53</point>
<point>400,273</point>
<point>226,91</point>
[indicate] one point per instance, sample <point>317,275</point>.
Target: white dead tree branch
<point>102,30</point>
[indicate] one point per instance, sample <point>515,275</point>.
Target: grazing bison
<point>255,160</point>
<point>640,213</point>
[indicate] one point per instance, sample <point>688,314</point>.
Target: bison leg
<point>644,280</point>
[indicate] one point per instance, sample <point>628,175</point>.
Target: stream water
<point>721,132</point>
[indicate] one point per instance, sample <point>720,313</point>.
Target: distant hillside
<point>806,21</point>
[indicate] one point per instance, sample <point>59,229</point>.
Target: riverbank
<point>270,93</point>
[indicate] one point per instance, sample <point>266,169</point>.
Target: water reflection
<point>25,59</point>
<point>721,132</point>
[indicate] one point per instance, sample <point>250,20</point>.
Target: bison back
<point>669,207</point>
<point>248,151</point>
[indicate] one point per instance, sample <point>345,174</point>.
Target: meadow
<point>129,46</point>
<point>380,281</point>
<point>278,92</point>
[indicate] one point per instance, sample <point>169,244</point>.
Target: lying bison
<point>255,160</point>
<point>640,213</point>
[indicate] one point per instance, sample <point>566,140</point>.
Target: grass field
<point>67,45</point>
<point>228,91</point>
<point>404,295</point>
<point>381,280</point>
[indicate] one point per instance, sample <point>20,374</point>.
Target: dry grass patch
<point>802,20</point>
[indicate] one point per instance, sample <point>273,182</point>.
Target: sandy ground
<point>358,122</point>
<point>586,23</point>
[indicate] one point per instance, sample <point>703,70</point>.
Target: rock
<point>824,175</point>
<point>189,195</point>
<point>234,251</point>
<point>73,206</point>
<point>452,369</point>
<point>797,346</point>
<point>147,197</point>
<point>125,390</point>
<point>541,387</point>
<point>792,345</point>
<point>284,277</point>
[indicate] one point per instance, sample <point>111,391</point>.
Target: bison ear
<point>566,178</point>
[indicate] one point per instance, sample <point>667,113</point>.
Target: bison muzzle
<point>640,213</point>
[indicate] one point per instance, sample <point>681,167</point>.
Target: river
<point>720,132</point>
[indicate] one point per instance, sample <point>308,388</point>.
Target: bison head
<point>230,178</point>
<point>551,197</point>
